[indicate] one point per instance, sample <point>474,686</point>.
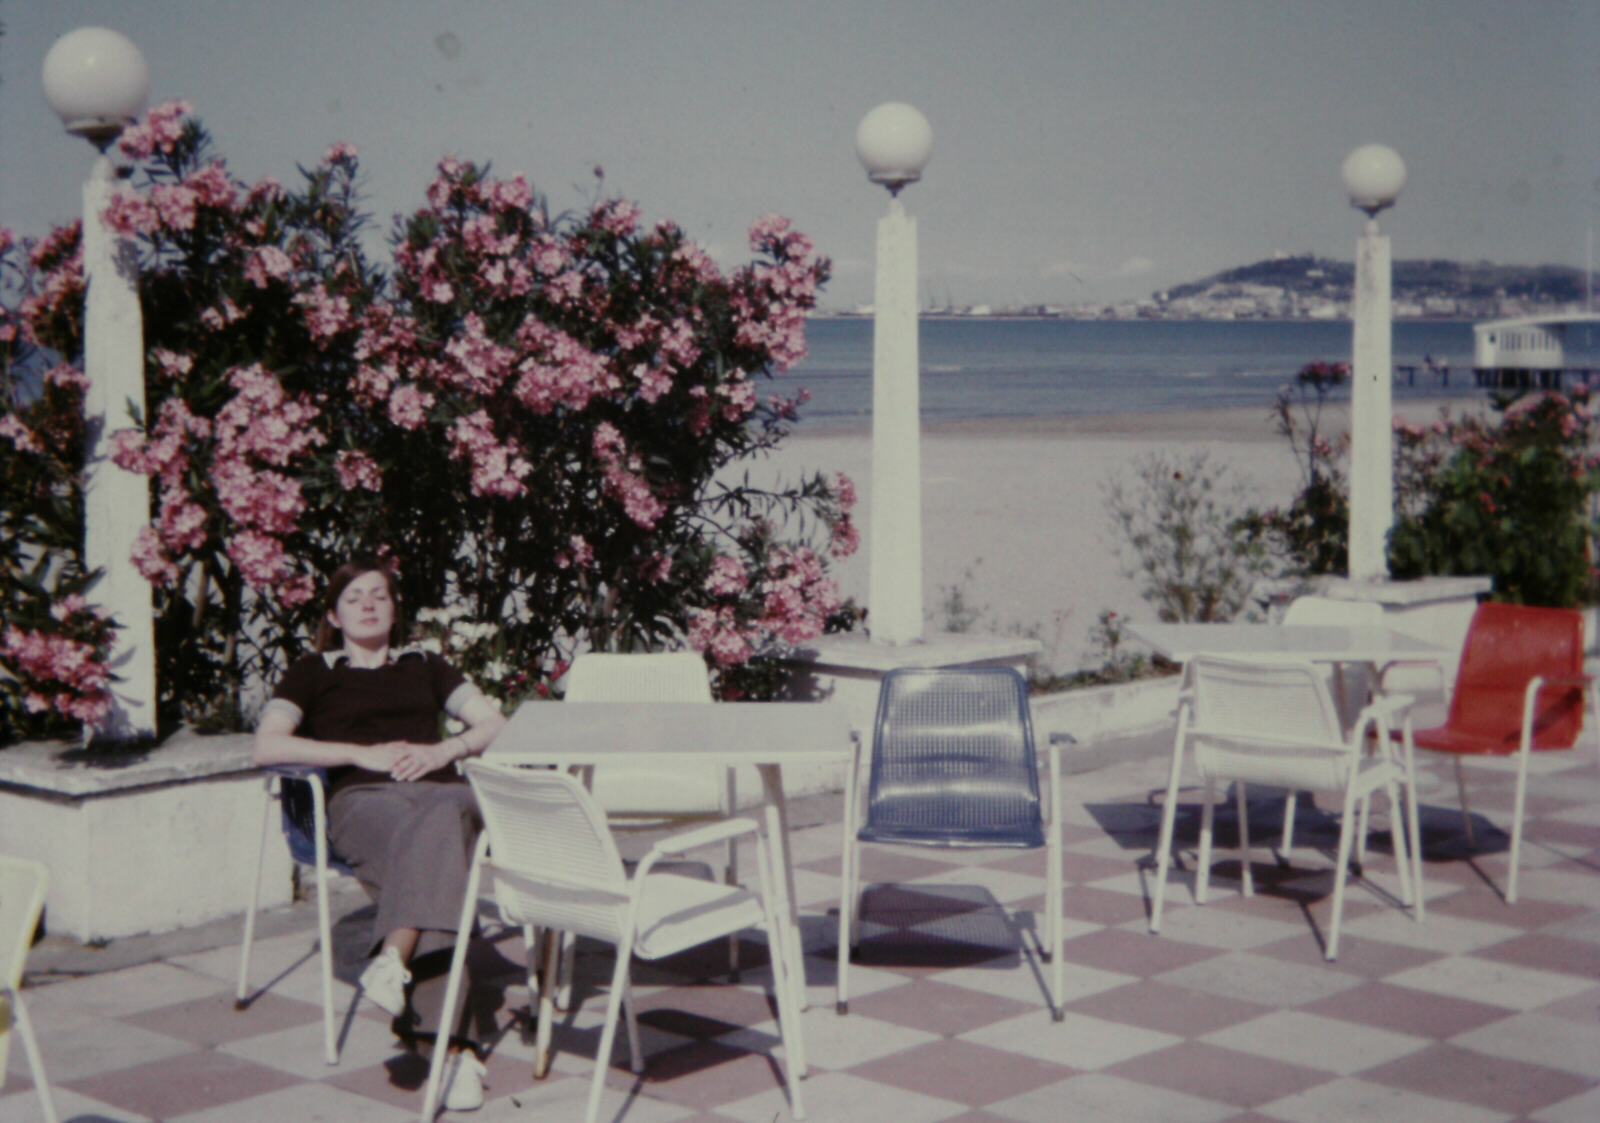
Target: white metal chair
<point>300,793</point>
<point>1350,691</point>
<point>1271,721</point>
<point>953,764</point>
<point>22,888</point>
<point>641,798</point>
<point>552,863</point>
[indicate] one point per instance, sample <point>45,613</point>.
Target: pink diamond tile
<point>1583,1007</point>
<point>1405,1010</point>
<point>1549,953</point>
<point>1214,1073</point>
<point>191,1082</point>
<point>212,1020</point>
<point>703,1075</point>
<point>962,1071</point>
<point>1169,1009</point>
<point>1471,1077</point>
<point>1133,953</point>
<point>1486,905</point>
<point>936,1007</point>
<point>1102,906</point>
<point>398,1081</point>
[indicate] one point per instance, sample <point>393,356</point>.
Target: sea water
<point>998,367</point>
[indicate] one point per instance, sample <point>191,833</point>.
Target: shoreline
<point>1225,423</point>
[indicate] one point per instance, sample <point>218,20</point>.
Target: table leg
<point>781,880</point>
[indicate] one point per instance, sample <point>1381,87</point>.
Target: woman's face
<point>365,611</point>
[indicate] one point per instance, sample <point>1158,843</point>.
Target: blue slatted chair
<point>953,764</point>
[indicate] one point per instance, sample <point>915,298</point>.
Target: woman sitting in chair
<point>399,815</point>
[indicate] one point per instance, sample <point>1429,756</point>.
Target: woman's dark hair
<point>330,637</point>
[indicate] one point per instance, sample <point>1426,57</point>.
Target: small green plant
<point>1182,520</point>
<point>957,613</point>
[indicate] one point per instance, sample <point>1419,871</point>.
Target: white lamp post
<point>1373,176</point>
<point>893,143</point>
<point>97,82</point>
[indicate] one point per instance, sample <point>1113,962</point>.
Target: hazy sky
<point>1081,150</point>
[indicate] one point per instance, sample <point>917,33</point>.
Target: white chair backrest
<point>554,860</point>
<point>1326,610</point>
<point>676,676</point>
<point>22,890</point>
<point>1271,721</point>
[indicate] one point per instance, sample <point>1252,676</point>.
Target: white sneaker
<point>463,1082</point>
<point>384,982</point>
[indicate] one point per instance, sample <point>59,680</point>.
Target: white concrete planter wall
<point>156,843</point>
<point>168,840</point>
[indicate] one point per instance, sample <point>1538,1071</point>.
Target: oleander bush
<point>537,419</point>
<point>1511,496</point>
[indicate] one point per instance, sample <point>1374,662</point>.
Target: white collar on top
<point>339,658</point>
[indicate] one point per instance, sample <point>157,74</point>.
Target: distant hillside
<point>1472,287</point>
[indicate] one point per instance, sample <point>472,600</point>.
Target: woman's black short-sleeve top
<point>399,701</point>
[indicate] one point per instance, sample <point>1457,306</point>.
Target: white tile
<point>1098,1098</point>
<point>23,1107</point>
<point>1227,929</point>
<point>1262,979</point>
<point>1485,980</point>
<point>833,1041</point>
<point>1004,886</point>
<point>1080,1041</point>
<point>838,1096</point>
<point>1022,981</point>
<point>1340,1101</point>
<point>303,1103</point>
<point>1582,1108</point>
<point>299,1050</point>
<point>1539,1039</point>
<point>115,994</point>
<point>79,1050</point>
<point>1316,1042</point>
<point>1438,932</point>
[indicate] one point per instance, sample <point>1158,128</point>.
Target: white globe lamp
<point>893,142</point>
<point>1373,176</point>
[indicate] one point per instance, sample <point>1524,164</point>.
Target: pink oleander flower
<point>172,364</point>
<point>267,264</point>
<point>727,577</point>
<point>498,468</point>
<point>176,204</point>
<point>338,152</point>
<point>151,560</point>
<point>718,634</point>
<point>616,216</point>
<point>212,187</point>
<point>131,216</point>
<point>160,130</point>
<point>577,552</point>
<point>325,316</point>
<point>357,469</point>
<point>21,437</point>
<point>409,406</point>
<point>260,558</point>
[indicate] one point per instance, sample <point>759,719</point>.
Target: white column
<point>116,502</point>
<point>1371,415</point>
<point>894,598</point>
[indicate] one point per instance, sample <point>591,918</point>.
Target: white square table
<point>767,735</point>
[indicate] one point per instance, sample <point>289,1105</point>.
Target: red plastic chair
<point>1519,689</point>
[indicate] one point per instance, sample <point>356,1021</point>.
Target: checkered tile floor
<point>1484,1012</point>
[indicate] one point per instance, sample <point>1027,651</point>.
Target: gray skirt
<point>410,846</point>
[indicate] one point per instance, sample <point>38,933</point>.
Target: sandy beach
<point>1014,510</point>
